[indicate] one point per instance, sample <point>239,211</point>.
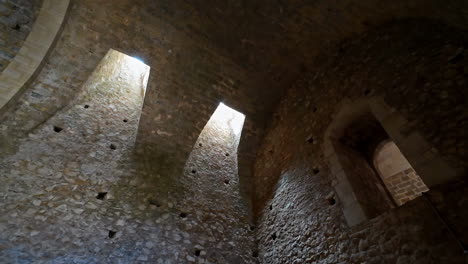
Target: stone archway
<point>425,159</point>
<point>396,172</point>
<point>32,54</point>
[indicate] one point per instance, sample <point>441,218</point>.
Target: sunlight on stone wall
<point>60,199</point>
<point>396,172</point>
<point>211,185</point>
<point>225,123</point>
<point>119,77</point>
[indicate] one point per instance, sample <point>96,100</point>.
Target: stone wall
<point>80,195</point>
<point>73,192</point>
<point>397,174</point>
<point>244,54</point>
<point>212,194</point>
<point>419,68</point>
<point>16,20</point>
<point>405,186</point>
<point>364,180</point>
<point>191,76</point>
<point>52,194</point>
<point>148,213</point>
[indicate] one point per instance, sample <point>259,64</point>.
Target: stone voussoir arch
<point>30,58</point>
<point>424,158</point>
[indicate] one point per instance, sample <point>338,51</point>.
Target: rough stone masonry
<point>16,20</point>
<point>113,151</point>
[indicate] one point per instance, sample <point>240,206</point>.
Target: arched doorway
<point>399,177</point>
<point>357,130</point>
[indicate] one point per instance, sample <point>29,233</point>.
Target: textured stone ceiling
<point>203,52</point>
<point>273,42</point>
<point>279,37</point>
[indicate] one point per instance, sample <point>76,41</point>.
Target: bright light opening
<point>128,74</point>
<point>223,130</point>
<point>135,67</point>
<point>119,79</point>
<point>211,172</point>
<point>136,64</point>
<point>139,59</point>
<point>228,119</point>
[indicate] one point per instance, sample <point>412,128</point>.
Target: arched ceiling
<point>244,53</point>
<point>278,37</point>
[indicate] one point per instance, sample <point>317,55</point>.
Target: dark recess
<point>101,195</point>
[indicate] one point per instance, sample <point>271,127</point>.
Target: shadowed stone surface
<point>242,53</point>
<point>51,183</point>
<point>409,65</point>
<point>172,195</point>
<point>16,20</point>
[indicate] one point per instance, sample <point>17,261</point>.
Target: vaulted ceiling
<point>245,53</point>
<point>279,37</point>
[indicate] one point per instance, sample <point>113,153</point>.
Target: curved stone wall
<point>16,20</point>
<point>29,59</point>
<point>67,173</point>
<point>242,53</point>
<point>412,65</point>
<point>73,192</point>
